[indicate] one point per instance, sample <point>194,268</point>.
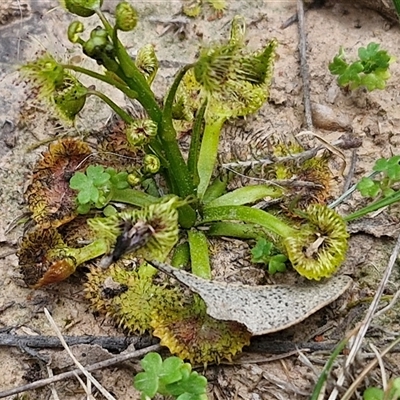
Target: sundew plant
<point>139,197</point>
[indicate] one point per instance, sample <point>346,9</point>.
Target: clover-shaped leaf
<point>368,187</point>
<point>277,264</point>
<point>79,181</point>
<point>370,70</point>
<point>171,370</point>
<point>261,252</point>
<point>97,175</point>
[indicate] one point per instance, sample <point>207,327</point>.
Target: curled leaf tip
<point>320,248</point>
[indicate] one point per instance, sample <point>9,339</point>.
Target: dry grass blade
<point>101,389</point>
<point>356,345</point>
<point>381,366</point>
<point>367,370</point>
<point>52,388</point>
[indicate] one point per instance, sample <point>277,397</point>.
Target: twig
<point>298,157</point>
<point>304,65</point>
<point>95,382</point>
<point>356,345</point>
<point>114,344</point>
<point>70,374</point>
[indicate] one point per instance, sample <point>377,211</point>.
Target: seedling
<point>171,377</point>
<point>389,175</point>
<point>383,188</point>
<point>371,70</point>
<point>265,252</point>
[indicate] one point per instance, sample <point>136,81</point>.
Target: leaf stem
<point>251,215</point>
<point>200,260</point>
<point>208,153</point>
<point>108,79</point>
<point>115,107</point>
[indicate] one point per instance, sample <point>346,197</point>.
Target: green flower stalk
<point>44,258</point>
<point>316,249</point>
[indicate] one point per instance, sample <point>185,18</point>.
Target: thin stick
<point>304,65</point>
<point>95,382</point>
<point>70,374</point>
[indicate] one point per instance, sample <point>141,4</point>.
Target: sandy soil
<point>372,117</point>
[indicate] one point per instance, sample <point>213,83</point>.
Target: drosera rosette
<point>316,248</point>
<point>313,170</point>
<point>49,196</point>
<point>190,333</point>
<point>129,294</point>
<point>150,231</point>
<point>56,86</point>
<point>44,257</point>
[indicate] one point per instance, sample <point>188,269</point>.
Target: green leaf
<point>110,210</point>
<point>171,370</point>
<point>85,196</point>
<point>94,194</point>
<point>261,251</point>
<point>83,208</point>
<point>373,393</point>
<point>381,165</point>
<point>368,187</point>
<point>79,181</point>
<point>192,396</point>
<point>194,384</point>
<point>338,66</point>
<point>277,264</point>
<point>93,171</point>
<point>147,383</point>
<point>351,75</point>
<point>152,362</point>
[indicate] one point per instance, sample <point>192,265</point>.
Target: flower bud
<point>141,132</point>
<point>146,61</point>
<point>125,17</point>
<point>82,8</point>
<point>151,164</point>
<point>74,29</point>
<point>133,179</point>
<point>70,99</point>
